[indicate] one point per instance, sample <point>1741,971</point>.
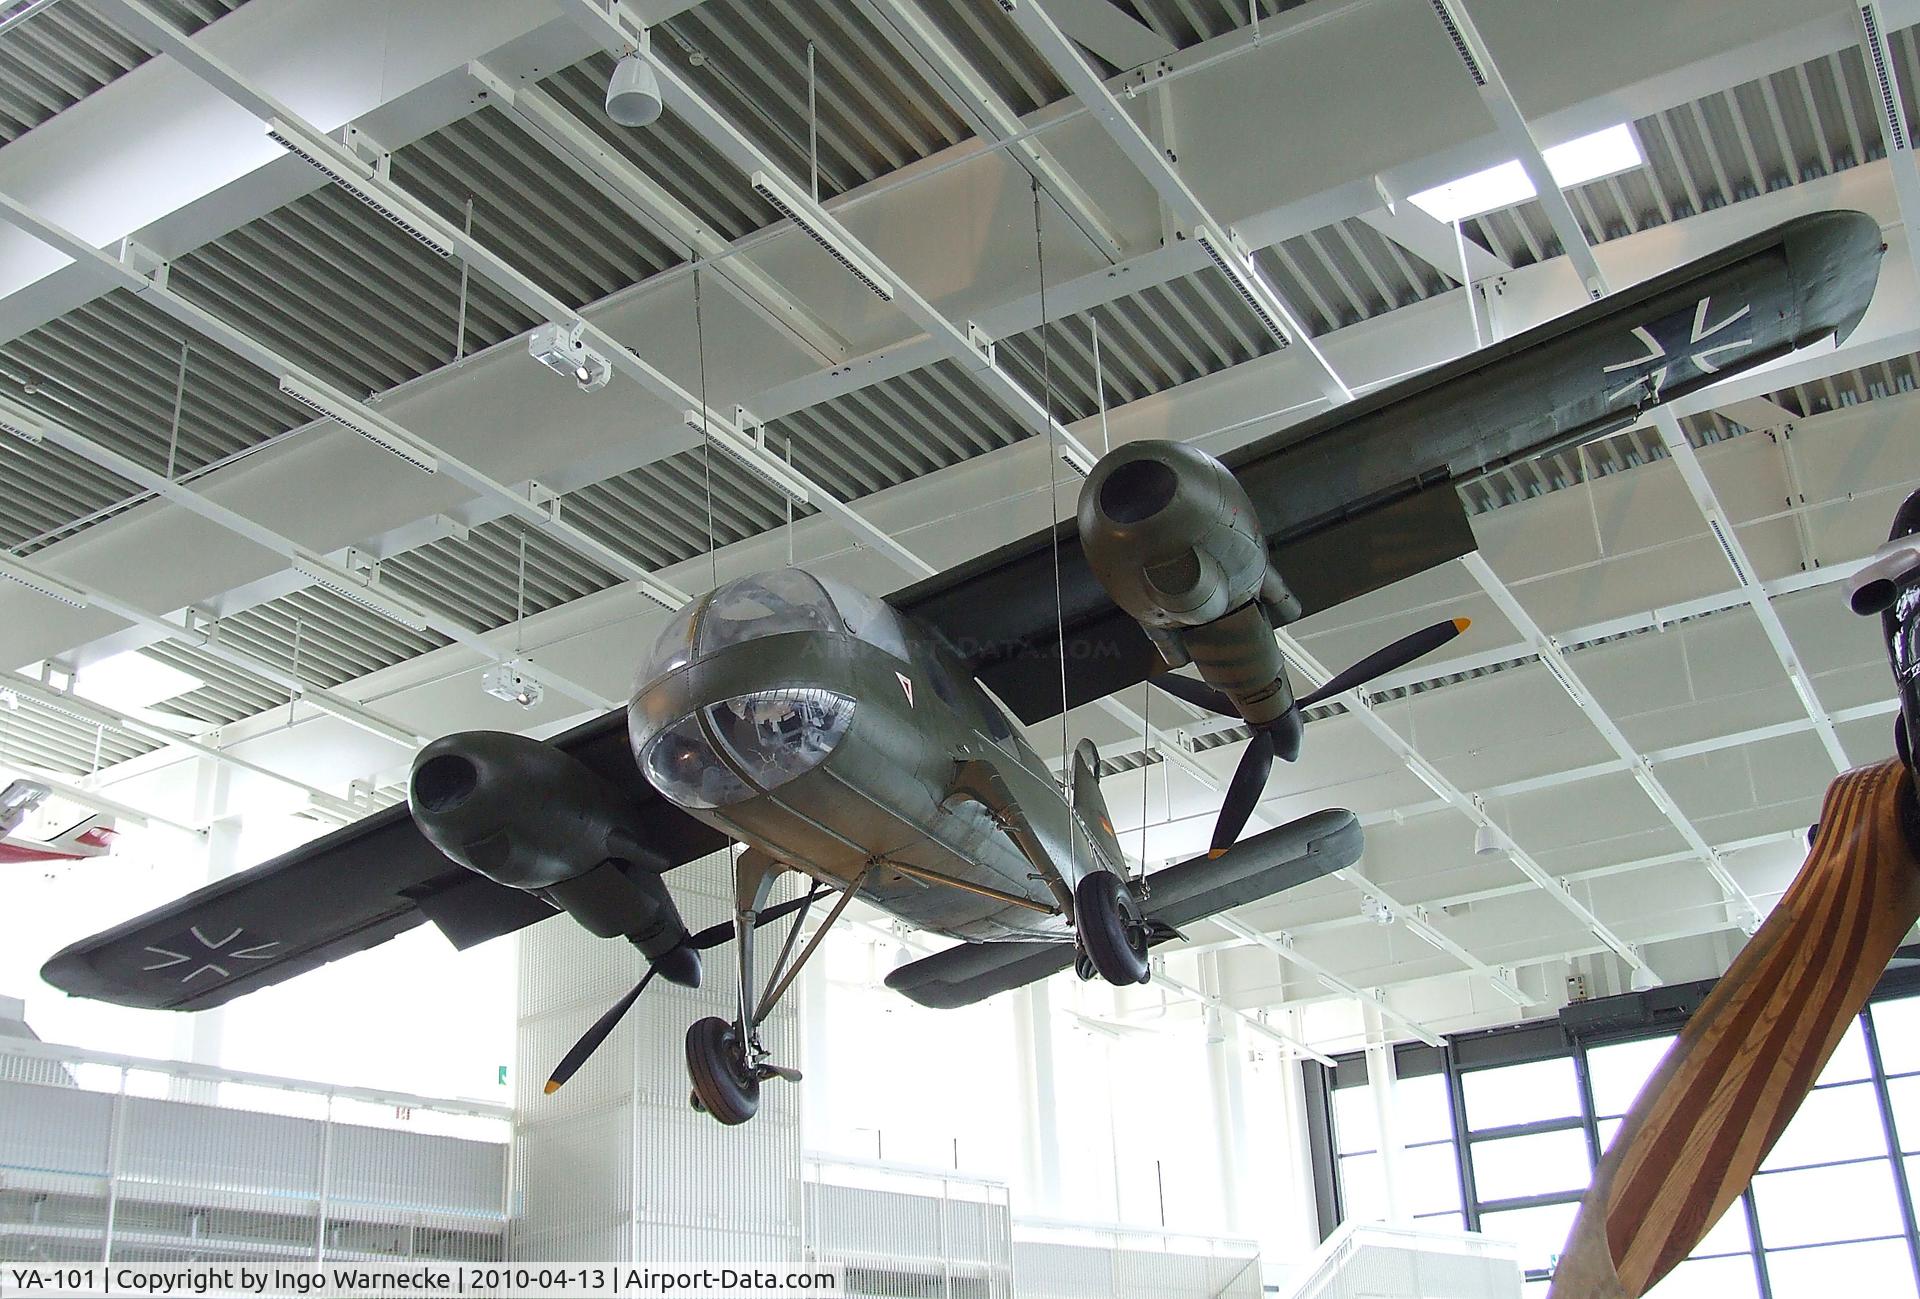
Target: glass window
<point>1897,1024</point>
<point>1881,1268</point>
<point>1521,1093</point>
<point>1422,1109</point>
<point>1355,1125</point>
<point>784,600</point>
<point>1363,1188</point>
<point>1539,1164</point>
<point>1849,1062</point>
<point>673,647</point>
<point>775,735</point>
<point>1904,1096</point>
<point>1729,1235</point>
<point>1710,1278</point>
<point>1618,1072</point>
<point>867,619</point>
<point>1540,1232</point>
<point>682,765</point>
<point>1832,1124</point>
<point>1441,1221</point>
<point>1811,1206</point>
<point>1429,1180</point>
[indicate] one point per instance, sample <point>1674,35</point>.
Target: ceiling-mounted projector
<point>633,92</point>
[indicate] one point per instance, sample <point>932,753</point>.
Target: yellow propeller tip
<point>1461,624</point>
<point>1214,853</point>
<point>552,1086</point>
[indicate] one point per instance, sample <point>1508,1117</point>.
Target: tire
<point>1082,966</point>
<point>1112,934</point>
<point>721,1082</point>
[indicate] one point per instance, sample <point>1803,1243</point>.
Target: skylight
<point>130,680</point>
<point>1576,162</point>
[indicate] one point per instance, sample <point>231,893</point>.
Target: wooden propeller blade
<point>1707,1118</point>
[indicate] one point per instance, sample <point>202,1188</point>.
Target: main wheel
<point>1112,933</point>
<point>722,1083</point>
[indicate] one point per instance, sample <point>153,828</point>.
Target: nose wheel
<point>1114,936</point>
<point>725,1059</point>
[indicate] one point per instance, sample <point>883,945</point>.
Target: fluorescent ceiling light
<point>1576,162</point>
<point>130,681</point>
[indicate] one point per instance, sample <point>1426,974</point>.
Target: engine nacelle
<point>1171,535</point>
<point>524,814</point>
<point>518,811</point>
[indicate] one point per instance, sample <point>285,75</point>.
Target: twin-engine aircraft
<point>850,740</point>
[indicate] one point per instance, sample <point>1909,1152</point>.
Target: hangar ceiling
<point>935,122</point>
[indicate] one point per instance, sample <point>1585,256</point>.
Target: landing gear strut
<point>1114,936</point>
<point>725,1059</point>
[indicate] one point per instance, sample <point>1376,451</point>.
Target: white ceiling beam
<point>364,417</point>
<point>583,151</point>
<point>965,345</point>
<point>1478,62</point>
<point>1253,1019</point>
<point>1434,242</point>
<point>911,31</point>
<point>94,714</point>
<point>1557,665</point>
<point>96,801</point>
<point>1116,36</point>
<point>370,180</point>
<point>1734,551</point>
<point>1430,776</point>
<point>1593,770</point>
<point>1875,27</point>
<point>313,567</point>
<point>1281,945</point>
<point>1222,245</point>
<point>206,640</point>
<point>1168,744</point>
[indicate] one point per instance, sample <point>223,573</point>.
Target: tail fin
<point>1091,804</point>
<point>93,835</point>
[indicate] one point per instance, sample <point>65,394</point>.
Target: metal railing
<point>106,1157</point>
<point>905,1230</point>
<point>1372,1260</point>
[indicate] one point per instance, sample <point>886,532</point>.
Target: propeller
<point>710,937</point>
<point>1281,737</point>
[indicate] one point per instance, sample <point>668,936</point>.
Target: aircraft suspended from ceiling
<point>90,837</point>
<point>848,740</point>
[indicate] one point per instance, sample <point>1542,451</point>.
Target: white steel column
<point>1033,1047</point>
<point>1226,1057</point>
<point>1381,1077</point>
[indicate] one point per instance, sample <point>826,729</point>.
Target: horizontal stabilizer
<point>1257,867</point>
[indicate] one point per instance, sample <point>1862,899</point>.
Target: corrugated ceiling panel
<point>876,114</point>
<point>1791,126</point>
<point>65,52</point>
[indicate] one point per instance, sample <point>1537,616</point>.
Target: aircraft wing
<point>1257,867</point>
<point>342,893</point>
<point>1365,495</point>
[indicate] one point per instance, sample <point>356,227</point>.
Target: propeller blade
<point>714,935</point>
<point>1249,782</point>
<point>1198,693</point>
<point>590,1042</point>
<point>1389,658</point>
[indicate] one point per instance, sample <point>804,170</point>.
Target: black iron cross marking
<point>202,948</point>
<point>1677,349</point>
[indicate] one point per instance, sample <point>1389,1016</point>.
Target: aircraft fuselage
<point>928,788</point>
